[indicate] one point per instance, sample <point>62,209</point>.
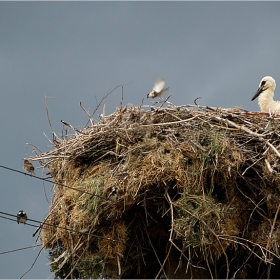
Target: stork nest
<point>176,192</point>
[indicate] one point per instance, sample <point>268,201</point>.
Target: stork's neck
<point>266,102</point>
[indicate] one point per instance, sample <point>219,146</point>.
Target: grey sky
<point>73,52</point>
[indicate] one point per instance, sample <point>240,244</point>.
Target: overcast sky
<point>77,52</point>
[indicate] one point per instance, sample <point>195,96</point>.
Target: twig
<point>247,247</point>
<point>119,265</point>
<point>271,231</point>
<point>104,110</point>
<point>74,266</point>
<point>87,113</point>
<point>168,123</point>
<point>53,133</point>
<point>234,275</point>
<point>241,127</point>
<point>196,100</point>
<point>268,166</point>
<point>37,229</point>
<point>164,101</point>
<point>121,103</point>
<point>251,166</point>
<point>154,250</point>
<point>40,226</point>
<point>68,124</point>
<point>198,146</point>
<point>34,147</point>
<point>171,233</point>
<point>33,262</point>
<point>103,98</point>
<point>273,148</point>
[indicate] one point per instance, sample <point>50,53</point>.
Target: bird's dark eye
<point>263,83</point>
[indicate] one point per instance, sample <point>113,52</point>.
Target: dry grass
<point>199,182</point>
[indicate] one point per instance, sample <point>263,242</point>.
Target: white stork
<point>265,95</point>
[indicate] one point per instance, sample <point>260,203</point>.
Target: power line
<point>19,249</point>
<point>50,181</point>
<point>52,225</point>
<point>72,230</point>
<point>15,220</point>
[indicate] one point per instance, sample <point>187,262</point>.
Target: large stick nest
<point>166,192</point>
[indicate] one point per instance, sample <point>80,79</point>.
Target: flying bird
<point>28,166</point>
<point>265,95</point>
<point>21,217</point>
<point>158,89</point>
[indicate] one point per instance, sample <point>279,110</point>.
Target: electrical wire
<point>52,225</point>
<point>70,230</point>
<point>20,249</point>
<point>50,181</point>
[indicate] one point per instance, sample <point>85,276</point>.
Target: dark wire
<point>50,181</point>
<point>24,248</point>
<point>72,230</point>
<point>68,229</point>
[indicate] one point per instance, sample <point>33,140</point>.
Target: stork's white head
<point>266,88</point>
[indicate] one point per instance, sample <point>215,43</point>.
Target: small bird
<point>113,194</point>
<point>21,217</point>
<point>265,95</point>
<point>158,89</point>
<point>28,166</point>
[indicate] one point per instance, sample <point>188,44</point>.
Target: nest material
<point>166,192</point>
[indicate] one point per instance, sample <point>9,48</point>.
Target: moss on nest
<point>178,192</point>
